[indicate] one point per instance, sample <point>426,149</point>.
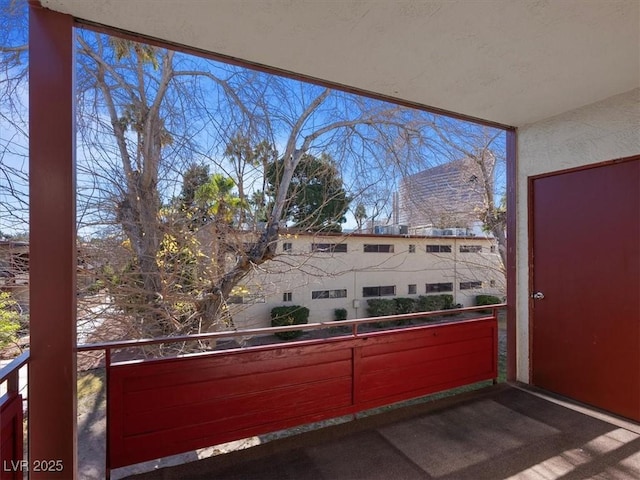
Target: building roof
<point>374,236</point>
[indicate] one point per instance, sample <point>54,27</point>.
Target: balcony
<point>337,386</point>
<point>558,127</point>
<point>158,407</point>
<point>501,432</point>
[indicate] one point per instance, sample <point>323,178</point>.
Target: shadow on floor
<point>496,433</point>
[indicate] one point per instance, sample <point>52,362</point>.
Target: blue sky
<point>363,163</point>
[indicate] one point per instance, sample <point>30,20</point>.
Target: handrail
<point>270,330</point>
<point>10,372</point>
<point>15,364</point>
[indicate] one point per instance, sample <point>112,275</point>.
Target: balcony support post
<point>52,239</point>
<point>512,183</point>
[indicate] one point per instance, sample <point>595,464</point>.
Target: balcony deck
<point>495,433</point>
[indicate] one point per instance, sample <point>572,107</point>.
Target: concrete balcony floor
<point>500,432</point>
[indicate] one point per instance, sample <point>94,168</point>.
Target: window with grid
<point>247,299</point>
<point>320,294</point>
<point>439,287</point>
<point>382,291</point>
<point>470,285</point>
<point>378,248</point>
<point>329,247</point>
<point>438,248</point>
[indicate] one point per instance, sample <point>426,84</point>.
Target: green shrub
<point>487,300</point>
<point>380,307</point>
<point>289,315</point>
<point>9,319</point>
<point>95,287</point>
<point>430,303</point>
<point>340,314</point>
<point>405,305</point>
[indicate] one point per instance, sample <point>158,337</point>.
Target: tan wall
<point>595,133</point>
<point>301,272</point>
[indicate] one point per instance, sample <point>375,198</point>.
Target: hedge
<point>487,300</point>
<point>289,315</point>
<point>380,307</point>
<point>340,314</point>
<point>430,303</point>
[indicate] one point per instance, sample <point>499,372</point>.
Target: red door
<point>586,277</point>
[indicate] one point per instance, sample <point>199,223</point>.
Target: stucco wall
<point>300,272</point>
<point>602,131</point>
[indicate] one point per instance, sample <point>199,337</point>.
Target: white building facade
<point>329,272</point>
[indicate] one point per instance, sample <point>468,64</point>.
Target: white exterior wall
<point>602,131</point>
<point>300,272</point>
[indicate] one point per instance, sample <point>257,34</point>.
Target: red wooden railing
<point>12,461</point>
<point>167,406</point>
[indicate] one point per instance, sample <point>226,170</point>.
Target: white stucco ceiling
<point>512,62</point>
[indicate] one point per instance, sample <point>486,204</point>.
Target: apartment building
<point>447,195</point>
<point>327,272</point>
<point>14,270</point>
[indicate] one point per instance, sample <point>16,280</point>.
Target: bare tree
<point>13,122</point>
<point>146,115</point>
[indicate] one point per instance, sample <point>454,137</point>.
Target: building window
<point>492,283</point>
<point>470,248</point>
<point>286,247</point>
<point>492,249</point>
<point>287,296</point>
<point>378,248</point>
<point>385,291</point>
<point>439,287</point>
<point>413,289</point>
<point>470,285</point>
<point>438,248</point>
<point>318,294</point>
<point>329,247</point>
<point>412,249</point>
<point>247,299</point>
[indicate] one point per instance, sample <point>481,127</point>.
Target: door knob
<point>538,296</point>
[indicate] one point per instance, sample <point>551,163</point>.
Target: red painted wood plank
<point>435,388</point>
<point>416,356</point>
<point>206,390</point>
<point>185,370</point>
<point>277,402</point>
<point>221,425</point>
<point>132,451</point>
<point>406,379</point>
<point>430,336</point>
<point>11,438</point>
